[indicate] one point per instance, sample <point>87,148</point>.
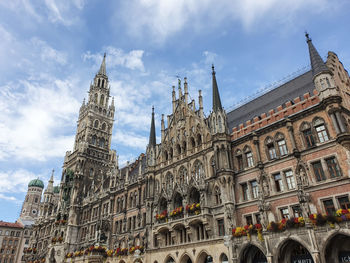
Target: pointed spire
<point>317,64</point>
<point>152,135</point>
<point>102,70</point>
<point>216,96</point>
<point>50,184</point>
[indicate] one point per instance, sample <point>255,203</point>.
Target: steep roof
<point>8,224</point>
<point>294,88</point>
<point>317,64</point>
<point>216,96</point>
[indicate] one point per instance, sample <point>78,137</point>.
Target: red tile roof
<point>8,224</point>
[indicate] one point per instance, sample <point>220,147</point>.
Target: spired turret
<point>218,118</point>
<point>322,75</point>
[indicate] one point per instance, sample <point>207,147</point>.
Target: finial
<point>307,36</point>
<point>153,109</point>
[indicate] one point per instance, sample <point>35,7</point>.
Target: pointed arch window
<point>321,131</point>
<point>104,126</point>
<point>102,98</point>
<point>249,160</point>
<point>96,123</point>
<point>102,143</point>
<point>219,124</point>
<point>198,170</point>
<point>270,148</point>
<point>95,98</point>
<point>281,143</point>
<point>217,193</point>
<point>308,135</point>
<point>93,140</point>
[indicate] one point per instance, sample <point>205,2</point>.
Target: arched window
<point>308,135</point>
<point>199,139</point>
<point>193,143</point>
<point>321,131</point>
<point>270,148</point>
<point>178,148</point>
<point>102,99</point>
<point>198,170</point>
<point>131,198</point>
<point>102,142</point>
<point>171,151</point>
<point>96,123</point>
<point>104,126</point>
<point>93,140</point>
<point>239,160</point>
<point>118,205</point>
<point>219,124</point>
<point>217,193</point>
<point>166,155</point>
<point>135,199</point>
<point>95,98</point>
<point>98,82</point>
<point>281,143</point>
<point>249,161</point>
<point>103,83</point>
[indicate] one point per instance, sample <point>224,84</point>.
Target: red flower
<point>296,220</point>
<point>258,226</point>
<point>246,227</point>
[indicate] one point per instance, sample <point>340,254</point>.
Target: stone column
<point>291,135</point>
<point>335,124</point>
<point>340,121</point>
<point>257,148</point>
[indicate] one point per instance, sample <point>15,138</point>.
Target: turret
<point>218,118</point>
<point>322,75</point>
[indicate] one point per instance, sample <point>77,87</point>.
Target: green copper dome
<point>56,189</point>
<point>36,183</point>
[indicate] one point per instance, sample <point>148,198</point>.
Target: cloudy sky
<point>50,51</point>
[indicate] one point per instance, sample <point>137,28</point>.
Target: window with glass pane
<point>249,220</point>
<point>272,151</point>
<point>333,167</point>
<point>240,162</point>
<point>329,206</point>
<point>296,211</point>
<point>250,161</point>
<point>245,191</point>
<point>322,133</point>
<point>318,171</point>
<point>278,183</point>
<point>309,138</point>
<point>290,179</point>
<point>255,189</point>
<point>282,147</point>
<point>221,227</point>
<point>344,202</point>
<point>285,212</point>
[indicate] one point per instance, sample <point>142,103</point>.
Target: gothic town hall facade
<point>266,182</point>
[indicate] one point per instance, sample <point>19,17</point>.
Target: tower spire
<point>317,64</point>
<point>102,70</point>
<point>216,96</point>
<point>152,135</point>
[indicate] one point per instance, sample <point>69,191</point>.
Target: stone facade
<point>187,198</point>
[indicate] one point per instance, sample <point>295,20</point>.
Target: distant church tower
<point>31,204</point>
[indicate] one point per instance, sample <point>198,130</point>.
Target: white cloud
<point>117,57</point>
<point>161,19</point>
<point>15,181</point>
<point>130,139</point>
<point>38,113</point>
